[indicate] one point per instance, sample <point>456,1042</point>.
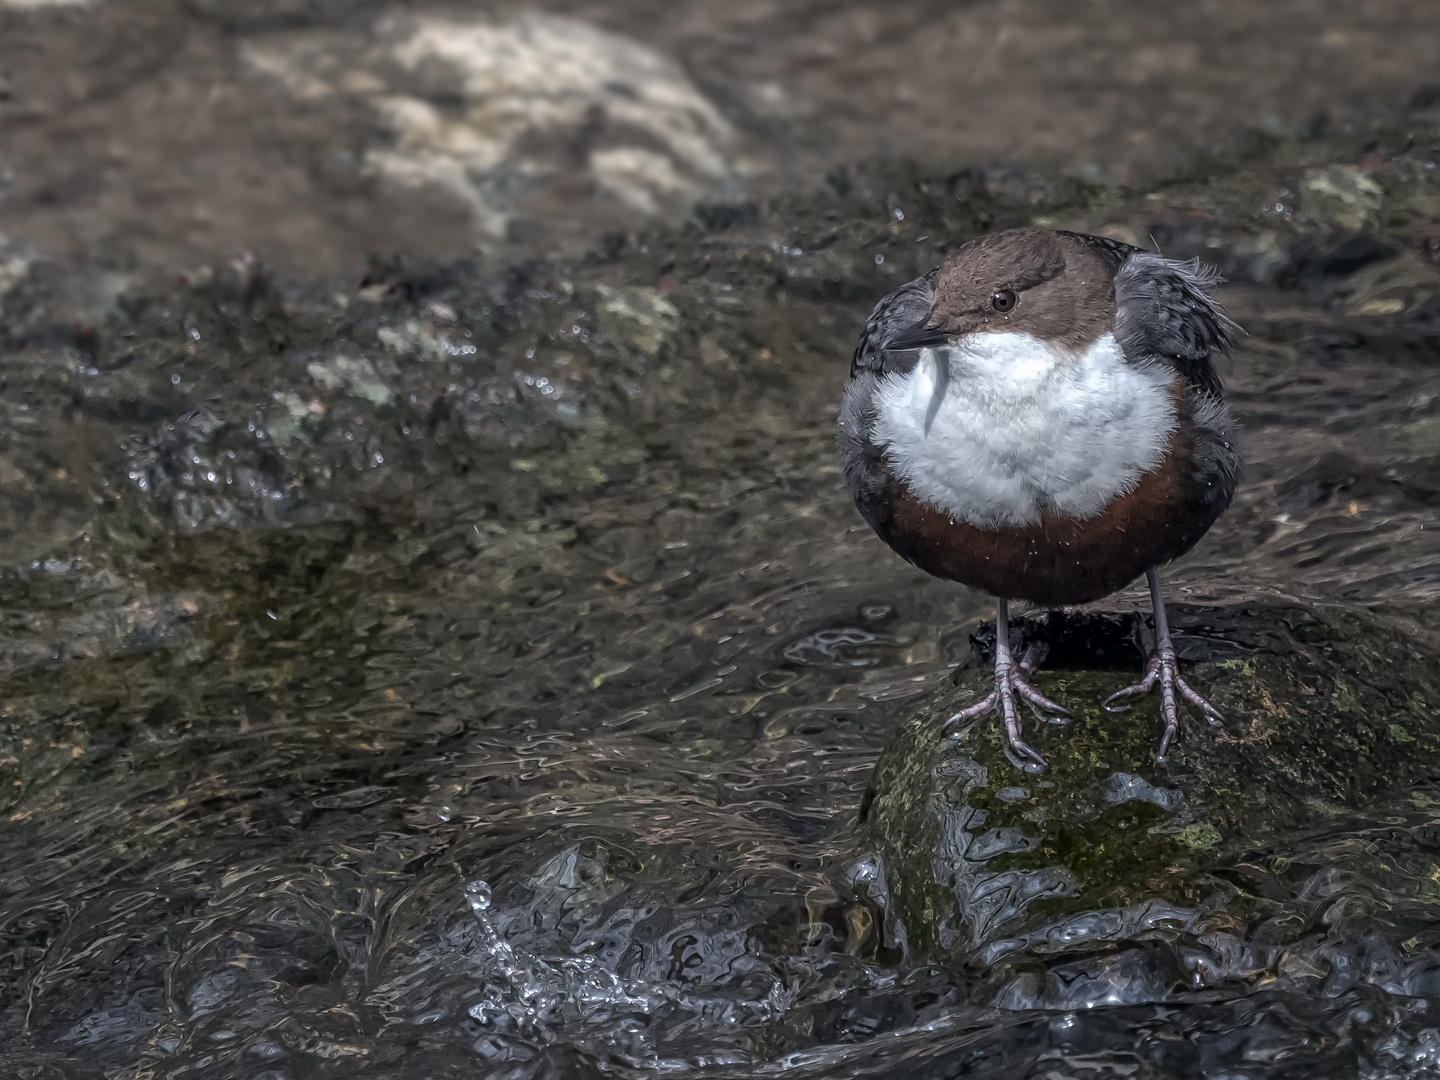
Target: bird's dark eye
<point>1004,300</point>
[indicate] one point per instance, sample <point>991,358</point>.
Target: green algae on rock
<point>1328,711</point>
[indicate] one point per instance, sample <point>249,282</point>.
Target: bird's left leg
<point>1012,679</point>
<point>1163,669</point>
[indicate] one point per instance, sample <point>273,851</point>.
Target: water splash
<point>576,999</point>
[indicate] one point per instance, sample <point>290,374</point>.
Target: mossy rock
<point>1328,710</point>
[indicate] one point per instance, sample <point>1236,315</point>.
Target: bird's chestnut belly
<point>1060,560</point>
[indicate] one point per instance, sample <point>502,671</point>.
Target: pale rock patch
<point>488,109</point>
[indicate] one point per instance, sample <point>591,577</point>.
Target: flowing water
<point>478,673</point>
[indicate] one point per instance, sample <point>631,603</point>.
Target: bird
<point>1040,418</point>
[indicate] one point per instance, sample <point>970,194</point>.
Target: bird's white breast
<point>997,427</point>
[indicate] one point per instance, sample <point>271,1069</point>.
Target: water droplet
<point>478,893</point>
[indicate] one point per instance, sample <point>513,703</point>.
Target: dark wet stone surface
<point>1331,711</point>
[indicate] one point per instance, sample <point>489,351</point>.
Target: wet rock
<point>1260,257</point>
<point>1342,195</point>
<point>499,113</point>
<point>15,260</point>
<point>1406,285</point>
<point>114,623</point>
<point>1329,710</point>
<point>359,377</point>
<point>1319,257</point>
<point>640,317</point>
<point>200,472</point>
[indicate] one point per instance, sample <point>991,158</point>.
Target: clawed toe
<point>1024,755</point>
<point>1163,670</point>
<point>1213,716</point>
<point>1039,700</point>
<point>1010,682</point>
<point>1144,686</point>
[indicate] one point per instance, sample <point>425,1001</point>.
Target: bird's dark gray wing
<point>1164,311</point>
<point>891,343</point>
<point>894,321</point>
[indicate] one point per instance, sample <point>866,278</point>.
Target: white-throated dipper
<point>1039,417</point>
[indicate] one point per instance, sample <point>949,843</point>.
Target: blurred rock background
<point>144,137</point>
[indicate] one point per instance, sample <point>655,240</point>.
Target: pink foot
<point>1164,669</point>
<point>1011,678</point>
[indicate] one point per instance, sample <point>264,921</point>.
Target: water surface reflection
<point>390,712</point>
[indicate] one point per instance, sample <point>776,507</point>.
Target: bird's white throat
<point>998,427</point>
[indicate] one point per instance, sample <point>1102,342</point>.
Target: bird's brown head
<point>1026,281</point>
